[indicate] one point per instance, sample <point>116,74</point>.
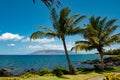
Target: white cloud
<point>50,47</point>
<point>26,40</point>
<point>35,47</point>
<point>46,47</point>
<point>10,36</point>
<point>44,40</point>
<point>11,45</point>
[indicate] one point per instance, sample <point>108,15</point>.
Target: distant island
<point>50,52</point>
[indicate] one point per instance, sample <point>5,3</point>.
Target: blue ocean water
<point>18,63</point>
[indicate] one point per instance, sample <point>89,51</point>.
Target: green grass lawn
<point>51,77</point>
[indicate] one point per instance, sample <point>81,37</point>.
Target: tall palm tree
<point>99,33</point>
<point>62,27</point>
<point>50,3</point>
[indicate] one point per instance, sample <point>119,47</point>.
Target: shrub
<point>26,75</point>
<point>117,58</point>
<point>44,71</point>
<point>58,71</point>
<point>112,76</point>
<point>112,52</point>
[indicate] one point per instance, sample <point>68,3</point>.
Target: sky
<point>19,18</point>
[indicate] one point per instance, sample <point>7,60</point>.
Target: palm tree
<point>99,33</point>
<point>62,27</point>
<point>50,3</point>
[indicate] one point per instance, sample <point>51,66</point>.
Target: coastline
<point>109,61</point>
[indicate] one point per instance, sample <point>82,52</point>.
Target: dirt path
<point>101,77</point>
<point>97,78</point>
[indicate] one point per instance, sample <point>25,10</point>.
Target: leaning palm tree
<point>62,27</point>
<point>50,3</point>
<point>99,33</point>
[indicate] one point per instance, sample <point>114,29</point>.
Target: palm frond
<point>109,23</point>
<point>80,47</point>
<point>46,29</point>
<point>78,20</point>
<point>63,16</point>
<point>40,34</point>
<point>50,3</point>
<point>36,35</point>
<point>82,42</point>
<point>113,39</point>
<point>109,32</point>
<point>71,20</point>
<point>102,22</point>
<point>64,13</point>
<point>54,15</point>
<point>97,20</point>
<point>73,31</point>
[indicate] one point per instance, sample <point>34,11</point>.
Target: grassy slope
<point>64,77</point>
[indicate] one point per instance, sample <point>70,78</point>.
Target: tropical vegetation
<point>112,52</point>
<point>98,34</point>
<point>112,76</point>
<point>62,26</point>
<point>81,74</point>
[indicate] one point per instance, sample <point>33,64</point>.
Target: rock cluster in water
<point>107,61</point>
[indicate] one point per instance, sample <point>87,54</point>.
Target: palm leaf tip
<point>34,1</point>
<point>72,48</point>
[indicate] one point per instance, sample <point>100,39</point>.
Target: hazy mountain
<point>49,52</point>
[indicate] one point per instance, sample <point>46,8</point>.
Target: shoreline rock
<point>107,61</point>
<point>5,73</point>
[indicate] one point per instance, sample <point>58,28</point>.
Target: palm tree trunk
<point>102,60</point>
<point>71,69</point>
<point>101,57</point>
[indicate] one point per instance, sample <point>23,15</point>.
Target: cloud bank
<point>10,36</point>
<point>43,40</point>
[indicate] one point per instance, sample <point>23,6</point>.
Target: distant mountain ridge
<point>49,52</point>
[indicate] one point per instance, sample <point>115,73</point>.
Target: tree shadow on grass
<point>87,71</point>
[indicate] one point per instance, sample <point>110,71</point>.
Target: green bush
<point>112,76</point>
<point>44,71</point>
<point>117,58</point>
<point>58,71</point>
<point>26,75</point>
<point>112,52</point>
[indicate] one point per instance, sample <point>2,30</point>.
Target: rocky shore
<point>5,73</point>
<point>107,61</point>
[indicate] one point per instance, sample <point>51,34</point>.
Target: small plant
<point>44,71</point>
<point>26,75</point>
<point>112,76</point>
<point>60,71</point>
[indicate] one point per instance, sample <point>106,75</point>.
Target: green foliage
<point>116,58</point>
<point>10,79</point>
<point>60,71</point>
<point>98,34</point>
<point>26,75</point>
<point>44,71</point>
<point>112,76</point>
<point>113,52</point>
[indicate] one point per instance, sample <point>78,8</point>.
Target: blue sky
<point>18,19</point>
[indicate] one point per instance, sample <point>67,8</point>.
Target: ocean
<point>19,63</point>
